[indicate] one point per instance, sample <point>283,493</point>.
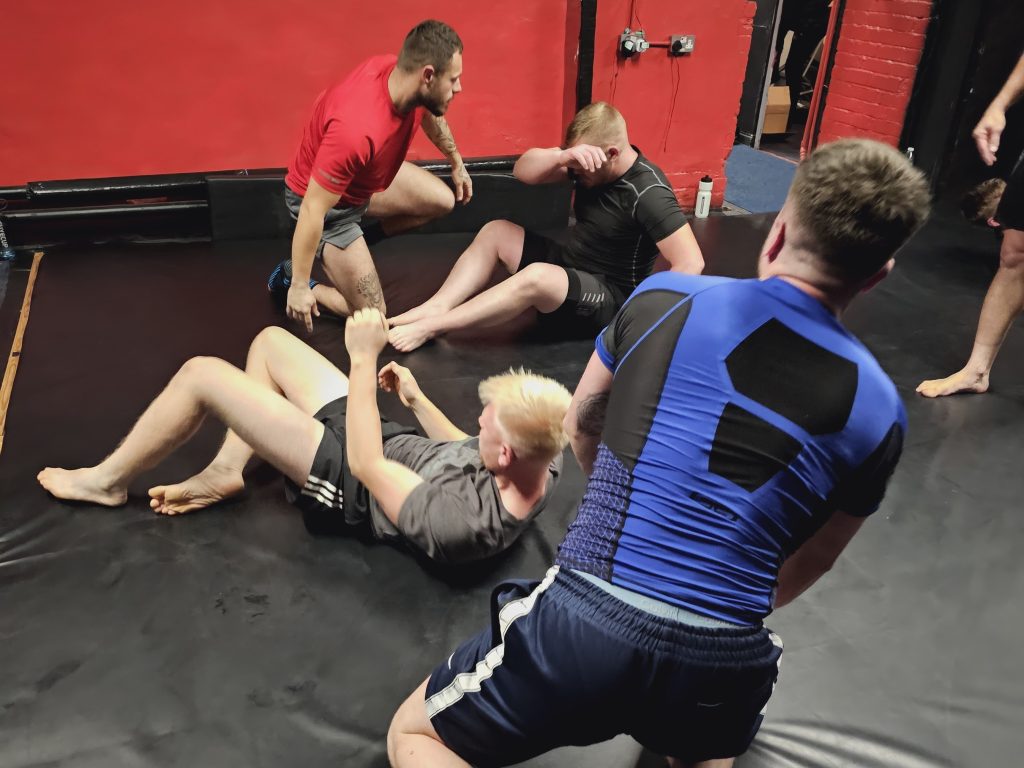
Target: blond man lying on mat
<point>455,497</point>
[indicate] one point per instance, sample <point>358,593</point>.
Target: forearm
<point>308,231</point>
<point>538,165</point>
<point>440,134</point>
<point>1012,89</point>
<point>798,574</point>
<point>363,443</point>
<point>434,422</point>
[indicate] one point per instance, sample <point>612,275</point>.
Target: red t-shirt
<point>356,140</point>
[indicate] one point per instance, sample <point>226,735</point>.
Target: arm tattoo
<point>368,287</point>
<point>440,134</point>
<point>590,414</point>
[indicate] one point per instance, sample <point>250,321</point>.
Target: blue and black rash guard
<point>741,415</point>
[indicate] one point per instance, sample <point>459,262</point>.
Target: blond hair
<point>856,202</point>
<point>529,409</point>
<point>599,123</point>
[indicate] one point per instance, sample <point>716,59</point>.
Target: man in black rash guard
<point>626,214</point>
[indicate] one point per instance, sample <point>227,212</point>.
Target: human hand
<point>582,157</point>
<point>463,183</point>
<point>366,333</point>
<point>987,133</point>
<point>302,305</point>
<point>399,379</point>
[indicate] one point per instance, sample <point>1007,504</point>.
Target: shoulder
<point>378,64</point>
<point>685,285</point>
<point>646,170</point>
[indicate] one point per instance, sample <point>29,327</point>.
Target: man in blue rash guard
<point>736,436</point>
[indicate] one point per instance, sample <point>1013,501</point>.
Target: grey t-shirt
<point>456,515</point>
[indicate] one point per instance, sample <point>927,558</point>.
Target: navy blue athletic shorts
<point>566,663</point>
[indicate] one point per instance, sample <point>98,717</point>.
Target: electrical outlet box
<point>632,42</point>
<point>680,45</point>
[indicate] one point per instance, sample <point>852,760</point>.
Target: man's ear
<point>611,152</point>
<point>506,456</point>
<point>775,242</point>
<point>879,276</point>
<point>427,74</point>
<point>993,223</point>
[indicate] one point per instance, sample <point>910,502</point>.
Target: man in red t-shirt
<point>351,162</point>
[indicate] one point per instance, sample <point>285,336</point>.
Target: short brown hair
<point>856,202</point>
<point>429,42</point>
<point>600,122</point>
<point>980,203</point>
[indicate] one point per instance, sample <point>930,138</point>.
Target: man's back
<point>355,140</point>
<point>741,415</point>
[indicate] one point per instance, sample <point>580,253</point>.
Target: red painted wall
<point>880,44</point>
<point>172,86</point>
<point>111,88</point>
<point>695,137</point>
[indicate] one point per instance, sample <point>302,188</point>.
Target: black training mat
<point>231,637</point>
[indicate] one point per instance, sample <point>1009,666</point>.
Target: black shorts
<point>566,663</point>
<point>332,500</point>
<point>591,302</point>
<point>1010,213</point>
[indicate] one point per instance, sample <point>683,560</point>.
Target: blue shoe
<point>280,281</point>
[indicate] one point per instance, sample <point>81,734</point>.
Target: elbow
<point>359,465</point>
<point>357,468</point>
<point>691,265</point>
<point>570,425</point>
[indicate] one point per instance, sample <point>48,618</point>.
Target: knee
<point>532,279</point>
<point>391,742</point>
<point>495,231</point>
<point>1011,254</point>
<point>445,202</point>
<point>496,235</point>
<point>268,337</point>
<point>198,369</point>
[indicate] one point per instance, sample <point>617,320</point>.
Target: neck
<point>832,304</point>
<point>797,266</point>
<point>527,479</point>
<point>402,90</point>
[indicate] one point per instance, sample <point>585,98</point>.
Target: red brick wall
<point>880,44</point>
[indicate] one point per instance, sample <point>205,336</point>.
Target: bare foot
<point>423,311</point>
<point>211,485</point>
<point>82,485</point>
<point>406,338</point>
<point>961,381</point>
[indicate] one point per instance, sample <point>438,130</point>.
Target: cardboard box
<point>776,112</point>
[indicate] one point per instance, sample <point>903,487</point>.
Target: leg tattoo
<point>369,290</point>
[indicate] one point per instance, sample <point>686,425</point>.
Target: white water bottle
<point>703,206</point>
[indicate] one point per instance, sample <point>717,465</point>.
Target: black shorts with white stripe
<point>332,500</point>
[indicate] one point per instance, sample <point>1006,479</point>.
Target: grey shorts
<point>341,224</point>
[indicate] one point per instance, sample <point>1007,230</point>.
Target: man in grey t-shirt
<point>455,497</point>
